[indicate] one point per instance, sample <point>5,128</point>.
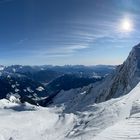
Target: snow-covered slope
<point>126,129</point>
<point>100,121</point>
<point>27,122</point>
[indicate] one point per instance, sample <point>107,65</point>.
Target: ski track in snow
<point>128,129</point>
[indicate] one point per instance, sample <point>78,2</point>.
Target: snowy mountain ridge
<point>116,84</point>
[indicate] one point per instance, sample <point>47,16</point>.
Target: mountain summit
<point>126,76</point>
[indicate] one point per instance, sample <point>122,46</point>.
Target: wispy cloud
<point>62,51</point>
<point>21,41</point>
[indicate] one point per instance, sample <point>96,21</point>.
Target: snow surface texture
<point>116,119</point>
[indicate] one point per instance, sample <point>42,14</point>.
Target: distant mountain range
<point>40,84</point>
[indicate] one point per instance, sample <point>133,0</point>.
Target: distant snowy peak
<point>2,67</point>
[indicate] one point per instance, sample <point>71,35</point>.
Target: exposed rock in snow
<point>13,86</point>
<point>13,99</point>
<point>124,79</point>
<point>40,88</point>
<point>30,90</point>
<point>16,90</point>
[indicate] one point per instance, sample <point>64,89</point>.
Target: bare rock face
<point>124,78</point>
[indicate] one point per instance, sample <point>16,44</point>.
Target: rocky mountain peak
<point>125,78</point>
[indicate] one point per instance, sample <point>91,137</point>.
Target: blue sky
<point>58,32</point>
